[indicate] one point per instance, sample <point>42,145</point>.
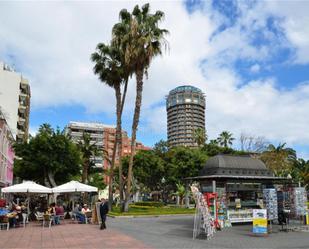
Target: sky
<point>250,58</point>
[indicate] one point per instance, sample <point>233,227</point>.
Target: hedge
<point>149,203</point>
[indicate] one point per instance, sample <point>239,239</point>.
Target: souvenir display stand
<point>271,203</point>
<point>298,203</point>
<point>212,204</point>
<point>203,221</point>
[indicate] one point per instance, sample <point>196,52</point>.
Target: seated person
<point>85,209</point>
<point>59,211</point>
<point>79,215</point>
<point>12,218</point>
<point>16,215</point>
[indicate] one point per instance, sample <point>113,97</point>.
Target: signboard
<point>259,221</point>
<point>237,203</point>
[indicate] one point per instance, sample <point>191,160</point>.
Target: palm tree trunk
<point>85,172</point>
<point>117,142</point>
<point>120,145</point>
<point>138,103</point>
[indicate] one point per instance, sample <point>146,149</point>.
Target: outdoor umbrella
<point>74,186</point>
<point>27,187</point>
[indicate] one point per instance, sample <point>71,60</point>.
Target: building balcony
<point>20,135</point>
<point>22,109</point>
<point>21,121</point>
<point>23,96</point>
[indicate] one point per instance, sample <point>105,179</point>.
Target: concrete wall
<point>9,96</point>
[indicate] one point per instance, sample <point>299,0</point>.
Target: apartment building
<point>15,101</point>
<point>6,153</point>
<point>96,131</point>
<point>104,136</point>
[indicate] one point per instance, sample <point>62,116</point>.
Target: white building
<point>96,131</point>
<point>15,101</point>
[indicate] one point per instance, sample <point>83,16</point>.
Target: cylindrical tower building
<point>185,107</point>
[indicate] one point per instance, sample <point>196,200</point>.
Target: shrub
<point>149,203</point>
<point>141,207</point>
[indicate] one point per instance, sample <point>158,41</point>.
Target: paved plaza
<point>66,236</point>
<point>156,232</point>
<point>176,232</point>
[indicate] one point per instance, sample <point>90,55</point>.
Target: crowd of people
<point>13,214</point>
<point>16,215</point>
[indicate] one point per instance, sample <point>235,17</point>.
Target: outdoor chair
<point>38,216</point>
<point>4,222</point>
<point>61,216</point>
<point>88,217</point>
<point>47,219</point>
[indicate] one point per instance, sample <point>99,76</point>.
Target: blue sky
<point>251,58</point>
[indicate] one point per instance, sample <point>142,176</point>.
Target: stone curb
<point>148,216</point>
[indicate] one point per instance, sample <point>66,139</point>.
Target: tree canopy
<point>49,158</point>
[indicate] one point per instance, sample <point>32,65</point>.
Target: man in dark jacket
<point>103,212</point>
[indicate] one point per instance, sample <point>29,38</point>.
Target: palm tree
<point>181,192</point>
<point>109,65</point>
<point>213,142</point>
<point>300,170</point>
<point>89,151</point>
<point>279,159</point>
<point>200,136</point>
<point>119,40</point>
<point>141,40</point>
<point>225,139</point>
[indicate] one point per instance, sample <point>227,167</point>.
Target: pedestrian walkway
<point>66,236</point>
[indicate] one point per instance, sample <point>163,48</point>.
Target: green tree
<point>111,68</point>
<point>89,151</point>
<point>182,162</point>
<point>279,159</point>
<point>213,142</point>
<point>141,40</point>
<point>148,169</point>
<point>49,158</point>
<point>225,139</point>
<point>96,179</point>
<point>160,148</point>
<point>199,136</point>
<point>181,192</point>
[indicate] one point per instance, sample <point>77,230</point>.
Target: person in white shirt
<point>85,209</point>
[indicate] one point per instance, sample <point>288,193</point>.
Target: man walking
<point>103,212</point>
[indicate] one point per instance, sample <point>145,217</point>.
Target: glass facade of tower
<point>185,107</point>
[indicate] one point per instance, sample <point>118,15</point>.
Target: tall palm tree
<point>279,159</point>
<point>141,40</point>
<point>225,139</point>
<point>199,136</point>
<point>89,151</point>
<point>119,40</point>
<point>109,65</point>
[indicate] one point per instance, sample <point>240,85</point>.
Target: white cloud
<point>295,24</point>
<point>52,43</point>
<point>255,68</point>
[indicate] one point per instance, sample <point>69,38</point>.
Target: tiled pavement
<point>66,236</point>
<point>160,232</point>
